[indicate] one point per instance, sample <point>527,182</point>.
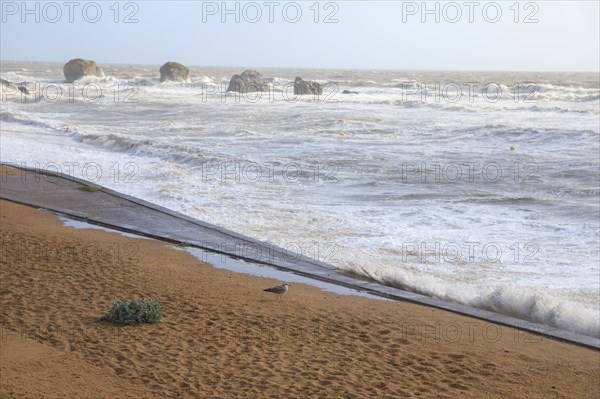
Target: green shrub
<point>133,312</point>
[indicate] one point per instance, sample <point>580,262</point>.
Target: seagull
<point>278,289</point>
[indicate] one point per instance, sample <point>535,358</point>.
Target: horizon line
<point>100,63</point>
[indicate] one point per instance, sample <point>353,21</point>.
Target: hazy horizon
<point>242,67</point>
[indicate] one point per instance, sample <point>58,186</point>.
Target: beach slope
<point>223,337</point>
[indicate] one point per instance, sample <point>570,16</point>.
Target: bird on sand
<point>278,289</point>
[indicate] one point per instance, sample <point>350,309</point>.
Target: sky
<point>396,35</point>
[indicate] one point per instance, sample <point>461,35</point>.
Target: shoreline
<point>24,185</point>
<point>222,336</point>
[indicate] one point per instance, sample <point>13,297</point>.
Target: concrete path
<point>101,206</point>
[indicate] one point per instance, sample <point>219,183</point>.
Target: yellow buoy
<point>512,148</point>
<point>342,134</point>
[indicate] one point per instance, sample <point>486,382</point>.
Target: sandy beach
<point>300,200</point>
<point>223,337</point>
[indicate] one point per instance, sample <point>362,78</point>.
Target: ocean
<point>481,188</point>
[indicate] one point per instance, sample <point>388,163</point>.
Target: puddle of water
<point>76,224</point>
<point>222,261</point>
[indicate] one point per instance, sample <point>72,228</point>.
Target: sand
<point>223,337</point>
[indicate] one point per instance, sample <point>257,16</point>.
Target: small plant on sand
<point>89,189</point>
<point>134,311</point>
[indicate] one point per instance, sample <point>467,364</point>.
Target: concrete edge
<point>358,284</point>
<point>158,208</point>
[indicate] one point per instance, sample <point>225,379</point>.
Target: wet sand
<point>223,337</point>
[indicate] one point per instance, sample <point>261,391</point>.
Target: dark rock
<point>349,92</point>
<point>78,68</point>
<point>173,71</point>
<point>13,87</point>
<point>249,81</point>
<point>303,87</point>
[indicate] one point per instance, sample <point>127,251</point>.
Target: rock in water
<point>174,71</point>
<point>349,92</point>
<point>78,68</point>
<point>249,81</point>
<point>12,88</point>
<point>303,87</point>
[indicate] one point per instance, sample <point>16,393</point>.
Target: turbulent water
<point>479,188</point>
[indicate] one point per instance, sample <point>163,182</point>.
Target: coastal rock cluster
<point>78,68</point>
<point>246,82</point>
<point>249,81</point>
<point>174,72</point>
<point>304,87</point>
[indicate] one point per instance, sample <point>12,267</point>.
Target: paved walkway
<point>63,195</point>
